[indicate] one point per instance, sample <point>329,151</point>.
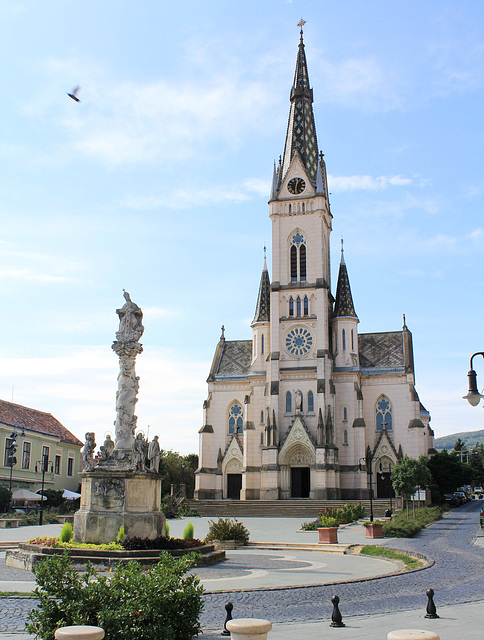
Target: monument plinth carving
<point>117,487</point>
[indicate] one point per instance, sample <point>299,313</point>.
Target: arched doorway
<point>300,482</point>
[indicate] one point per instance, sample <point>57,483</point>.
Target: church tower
<point>301,305</point>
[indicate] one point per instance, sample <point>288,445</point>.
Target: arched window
<point>298,257</point>
<point>302,262</point>
<point>298,306</point>
<point>290,208</point>
<point>262,343</point>
<point>310,402</point>
<point>262,417</point>
<point>352,340</point>
<point>236,421</point>
<point>345,414</point>
<point>288,402</point>
<point>343,338</point>
<point>383,414</point>
<point>306,306</point>
<point>303,207</point>
<point>345,437</point>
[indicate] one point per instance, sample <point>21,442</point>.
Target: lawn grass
<point>408,561</point>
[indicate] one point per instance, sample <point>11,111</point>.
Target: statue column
<point>127,347</point>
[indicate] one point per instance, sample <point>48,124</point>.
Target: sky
<point>157,182</point>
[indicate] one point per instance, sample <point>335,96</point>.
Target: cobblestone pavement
<point>456,577</point>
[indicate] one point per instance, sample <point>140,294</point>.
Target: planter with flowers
<point>328,531</point>
<point>374,529</point>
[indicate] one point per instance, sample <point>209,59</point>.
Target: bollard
<point>412,634</point>
<point>228,608</point>
<point>431,611</point>
<point>249,628</point>
<point>336,617</point>
<point>79,632</point>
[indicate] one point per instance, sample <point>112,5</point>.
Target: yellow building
<point>39,436</point>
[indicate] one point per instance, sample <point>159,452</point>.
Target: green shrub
<point>402,527</point>
<point>310,526</point>
<point>5,498</point>
<point>227,529</point>
<point>121,535</point>
<point>66,532</point>
<point>369,523</point>
<point>167,529</point>
<point>188,531</point>
<point>135,603</point>
<point>327,521</point>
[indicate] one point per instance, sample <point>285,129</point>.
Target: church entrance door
<point>300,483</point>
<point>234,486</point>
<point>384,487</point>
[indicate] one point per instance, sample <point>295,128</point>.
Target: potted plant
<point>328,531</point>
<point>374,529</point>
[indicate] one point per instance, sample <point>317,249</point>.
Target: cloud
<point>31,275</point>
<point>366,183</point>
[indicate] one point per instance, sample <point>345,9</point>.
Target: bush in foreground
<point>401,526</point>
<point>227,529</point>
<point>136,603</point>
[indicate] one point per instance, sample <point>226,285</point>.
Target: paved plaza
<point>293,588</point>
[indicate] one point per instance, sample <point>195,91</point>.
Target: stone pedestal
<point>119,497</point>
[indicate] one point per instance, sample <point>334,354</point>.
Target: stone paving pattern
<point>456,577</point>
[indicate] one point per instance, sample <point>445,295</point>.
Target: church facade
<point>308,406</point>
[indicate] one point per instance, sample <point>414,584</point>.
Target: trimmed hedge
<point>402,527</point>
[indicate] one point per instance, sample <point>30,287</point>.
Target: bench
<point>64,519</point>
<point>12,521</point>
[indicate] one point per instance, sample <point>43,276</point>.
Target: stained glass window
<point>298,306</point>
<point>383,414</point>
<point>302,262</point>
<point>343,336</point>
<point>288,402</point>
<point>291,307</point>
<point>298,257</point>
<point>306,306</point>
<point>236,421</point>
<point>310,402</point>
<point>293,263</point>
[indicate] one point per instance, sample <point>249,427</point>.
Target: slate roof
<point>235,359</point>
<point>263,307</point>
<point>381,350</point>
<point>16,415</point>
<point>343,306</point>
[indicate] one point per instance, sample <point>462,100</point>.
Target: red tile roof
<point>15,415</point>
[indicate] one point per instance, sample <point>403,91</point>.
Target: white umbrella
<point>25,494</point>
<point>70,495</point>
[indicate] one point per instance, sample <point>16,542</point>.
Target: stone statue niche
<point>121,485</point>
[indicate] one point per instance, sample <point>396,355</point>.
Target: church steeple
<point>263,307</point>
<point>301,130</point>
<point>343,306</point>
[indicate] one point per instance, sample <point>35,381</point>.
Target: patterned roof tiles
<point>381,350</point>
<point>16,415</point>
<point>235,359</point>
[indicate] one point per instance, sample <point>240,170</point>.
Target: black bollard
<point>431,611</point>
<point>336,617</point>
<point>228,608</point>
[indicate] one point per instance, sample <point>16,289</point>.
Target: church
<point>309,408</point>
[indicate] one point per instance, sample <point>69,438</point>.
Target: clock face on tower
<point>296,186</point>
<point>299,341</point>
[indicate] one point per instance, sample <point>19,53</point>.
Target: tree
<point>476,461</point>
<point>404,477</point>
<point>448,472</point>
<point>178,469</point>
<point>5,498</point>
<point>459,445</point>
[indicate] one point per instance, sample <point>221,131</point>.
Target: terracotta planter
<point>374,531</point>
<point>328,535</point>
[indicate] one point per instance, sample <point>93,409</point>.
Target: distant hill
<point>470,438</point>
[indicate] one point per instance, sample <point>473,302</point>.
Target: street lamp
<point>45,467</point>
<point>473,396</point>
<point>12,449</point>
<point>368,463</point>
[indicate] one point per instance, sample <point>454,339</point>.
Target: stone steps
<point>278,508</point>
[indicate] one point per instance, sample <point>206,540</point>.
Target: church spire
<point>301,130</point>
<point>263,307</point>
<point>343,306</point>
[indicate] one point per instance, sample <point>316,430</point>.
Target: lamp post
<point>12,448</point>
<point>368,463</point>
<point>45,465</point>
<point>473,396</point>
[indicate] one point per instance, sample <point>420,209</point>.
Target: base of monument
<point>115,498</point>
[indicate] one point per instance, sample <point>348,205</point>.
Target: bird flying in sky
<point>73,95</point>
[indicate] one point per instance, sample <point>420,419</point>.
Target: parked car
<point>461,496</point>
<point>451,499</point>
